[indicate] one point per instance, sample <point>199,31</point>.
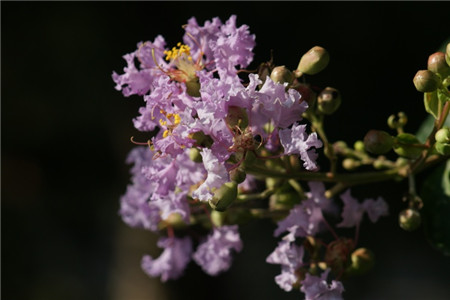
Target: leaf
<point>435,194</point>
<point>431,102</point>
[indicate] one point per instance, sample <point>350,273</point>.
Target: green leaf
<point>435,194</point>
<point>430,101</point>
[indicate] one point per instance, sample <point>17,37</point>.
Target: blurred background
<point>65,135</point>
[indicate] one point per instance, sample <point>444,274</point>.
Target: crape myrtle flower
<point>138,80</point>
<point>159,188</point>
<point>307,216</point>
<point>213,255</point>
<point>296,141</point>
<point>353,211</point>
<point>290,257</point>
<point>172,261</point>
<point>217,176</point>
<point>317,288</point>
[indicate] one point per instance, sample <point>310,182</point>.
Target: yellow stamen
<point>177,119</point>
<point>165,133</point>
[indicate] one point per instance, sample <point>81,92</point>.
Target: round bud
<point>409,219</point>
<point>281,74</point>
<point>238,175</point>
<point>359,146</point>
<point>313,61</point>
<point>438,65</point>
<point>406,146</point>
<point>224,196</point>
<point>442,148</point>
<point>378,142</point>
<point>328,101</point>
<point>195,156</point>
<point>426,81</point>
<point>362,260</point>
<point>443,135</point>
<point>447,54</point>
<point>218,218</point>
<point>350,164</point>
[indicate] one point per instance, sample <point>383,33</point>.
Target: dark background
<point>65,136</point>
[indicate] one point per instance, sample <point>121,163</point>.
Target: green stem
<point>348,179</point>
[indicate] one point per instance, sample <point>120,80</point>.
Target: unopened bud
<point>313,61</point>
<point>350,164</point>
<point>362,260</point>
<point>443,148</point>
<point>281,74</point>
<point>224,196</point>
<point>443,135</point>
<point>328,101</point>
<point>447,54</point>
<point>426,81</point>
<point>438,65</point>
<point>407,145</point>
<point>409,219</point>
<point>238,175</point>
<point>218,218</point>
<point>359,146</point>
<point>378,142</point>
<point>195,156</point>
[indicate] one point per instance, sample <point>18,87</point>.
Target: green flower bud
<point>195,156</point>
<point>350,164</point>
<point>224,196</point>
<point>378,142</point>
<point>281,74</point>
<point>406,145</point>
<point>193,87</point>
<point>409,219</point>
<point>442,148</point>
<point>359,146</point>
<point>313,61</point>
<point>426,81</point>
<point>218,218</point>
<point>447,54</point>
<point>438,65</point>
<point>238,175</point>
<point>328,101</point>
<point>362,261</point>
<point>443,135</point>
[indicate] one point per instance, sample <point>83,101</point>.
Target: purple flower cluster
<point>195,100</point>
<point>307,219</point>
